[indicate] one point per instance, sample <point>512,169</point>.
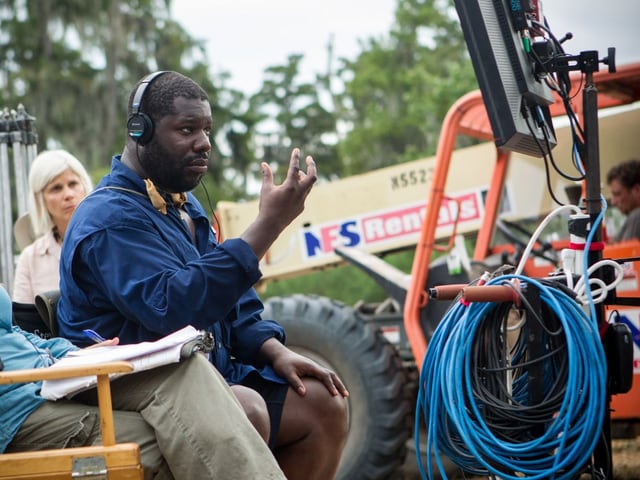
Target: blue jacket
<point>129,271</point>
<point>20,350</point>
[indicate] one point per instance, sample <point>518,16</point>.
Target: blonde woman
<point>57,182</point>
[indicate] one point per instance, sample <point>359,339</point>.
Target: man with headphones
<point>140,260</point>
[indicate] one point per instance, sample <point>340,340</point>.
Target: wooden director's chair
<point>108,461</point>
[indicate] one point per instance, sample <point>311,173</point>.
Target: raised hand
<point>283,203</point>
<point>280,204</point>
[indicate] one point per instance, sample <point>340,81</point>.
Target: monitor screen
<point>515,98</point>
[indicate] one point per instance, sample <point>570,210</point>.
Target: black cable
<point>218,226</point>
<point>526,117</point>
<point>509,414</point>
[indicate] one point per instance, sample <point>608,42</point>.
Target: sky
<point>243,37</point>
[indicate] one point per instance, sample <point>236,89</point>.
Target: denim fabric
<point>21,350</point>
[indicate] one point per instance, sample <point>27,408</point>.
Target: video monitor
<point>516,98</point>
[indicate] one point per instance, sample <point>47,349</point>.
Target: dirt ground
<point>625,454</point>
<point>626,458</point>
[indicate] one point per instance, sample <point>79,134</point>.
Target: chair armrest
<point>102,371</point>
<point>36,374</point>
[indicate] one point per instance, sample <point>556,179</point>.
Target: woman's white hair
<point>45,167</point>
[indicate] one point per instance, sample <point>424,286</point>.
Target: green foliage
<point>345,283</point>
<point>399,88</point>
<point>73,63</point>
<point>297,117</point>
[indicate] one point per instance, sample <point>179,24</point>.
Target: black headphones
<point>140,126</point>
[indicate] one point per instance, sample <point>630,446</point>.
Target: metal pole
<point>602,456</point>
<point>20,168</point>
<point>29,140</point>
<point>16,131</point>
<point>6,228</point>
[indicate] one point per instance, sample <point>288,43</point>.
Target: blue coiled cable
<point>456,416</point>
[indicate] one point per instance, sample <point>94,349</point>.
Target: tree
<point>293,115</point>
<point>398,90</point>
<point>72,64</point>
<point>396,94</point>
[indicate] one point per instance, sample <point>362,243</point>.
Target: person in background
<point>162,410</point>
<point>624,184</point>
<point>57,184</point>
<point>166,269</point>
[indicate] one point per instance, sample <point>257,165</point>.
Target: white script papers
<point>143,356</point>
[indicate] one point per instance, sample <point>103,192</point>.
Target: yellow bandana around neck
<point>159,202</point>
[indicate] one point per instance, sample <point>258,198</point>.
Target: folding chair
<point>109,461</point>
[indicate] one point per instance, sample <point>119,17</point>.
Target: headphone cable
<point>217,227</point>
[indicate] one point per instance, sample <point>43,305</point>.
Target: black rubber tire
<point>380,410</point>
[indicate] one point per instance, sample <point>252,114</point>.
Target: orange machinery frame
<point>468,117</point>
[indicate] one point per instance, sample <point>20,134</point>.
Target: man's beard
<point>166,172</point>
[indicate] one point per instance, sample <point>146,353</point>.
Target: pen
<point>95,336</point>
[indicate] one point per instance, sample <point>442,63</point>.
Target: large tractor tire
<point>380,410</point>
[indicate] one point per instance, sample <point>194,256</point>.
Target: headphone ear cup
<point>140,127</point>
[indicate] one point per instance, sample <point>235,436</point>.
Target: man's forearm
<point>270,349</point>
